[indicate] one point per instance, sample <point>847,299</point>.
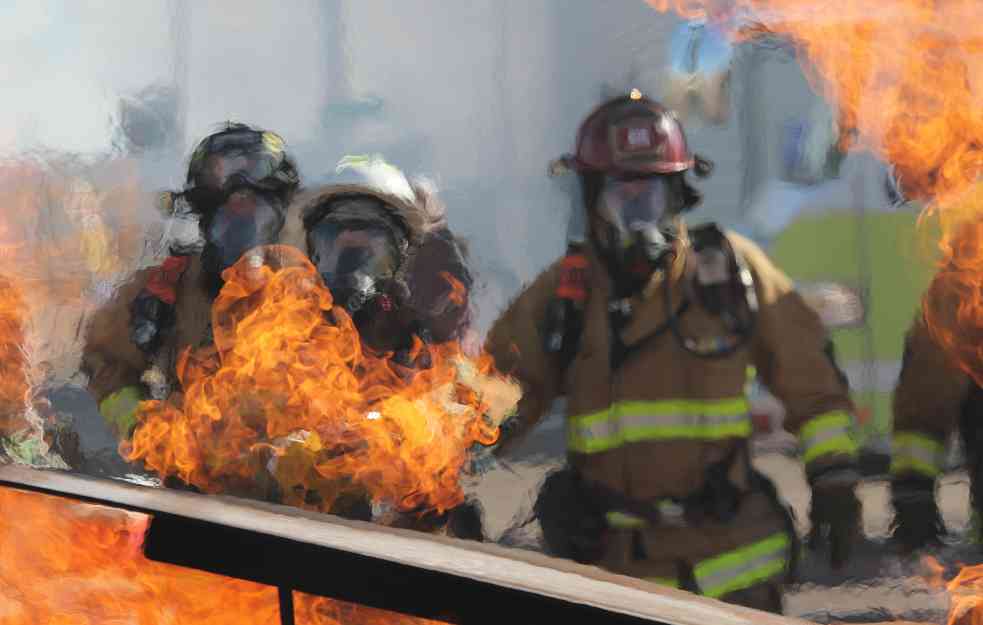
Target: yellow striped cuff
<point>827,434</point>
<point>914,452</point>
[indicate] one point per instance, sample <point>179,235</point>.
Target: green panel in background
<point>901,257</point>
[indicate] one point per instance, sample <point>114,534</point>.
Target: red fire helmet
<point>632,135</point>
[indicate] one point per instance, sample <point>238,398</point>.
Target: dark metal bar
<point>286,605</point>
<point>354,578</point>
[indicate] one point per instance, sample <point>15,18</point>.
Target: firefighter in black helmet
<point>240,181</point>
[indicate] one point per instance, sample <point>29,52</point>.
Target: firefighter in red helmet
<point>659,324</point>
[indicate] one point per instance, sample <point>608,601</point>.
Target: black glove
<point>835,514</point>
<point>572,527</point>
<point>465,521</point>
<point>917,521</point>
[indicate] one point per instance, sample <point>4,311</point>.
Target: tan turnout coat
<point>651,429</point>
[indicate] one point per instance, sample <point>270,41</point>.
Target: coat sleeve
<point>792,353</point>
<point>515,342</point>
<point>927,403</point>
<point>110,359</point>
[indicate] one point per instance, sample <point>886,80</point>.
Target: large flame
<point>902,77</point>
<point>905,76</point>
<point>64,562</point>
<point>68,231</point>
<point>14,384</point>
<point>287,390</point>
<point>953,303</point>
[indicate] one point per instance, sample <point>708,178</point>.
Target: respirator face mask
<point>244,219</point>
<point>357,255</point>
<point>638,228</point>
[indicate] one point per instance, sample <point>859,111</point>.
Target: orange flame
<point>953,303</point>
<point>312,610</point>
<point>902,77</point>
<point>906,80</point>
<point>965,592</point>
<point>65,562</point>
<point>65,228</point>
<point>14,384</point>
<point>458,293</point>
<point>287,390</point>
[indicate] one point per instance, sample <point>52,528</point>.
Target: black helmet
<point>236,157</point>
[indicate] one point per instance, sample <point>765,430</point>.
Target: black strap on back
<point>735,292</point>
<point>724,287</point>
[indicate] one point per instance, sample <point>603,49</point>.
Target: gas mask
<point>636,230</point>
<point>235,222</point>
<point>358,249</point>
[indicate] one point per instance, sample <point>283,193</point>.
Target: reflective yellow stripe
<point>120,408</point>
<point>639,421</point>
<point>743,567</point>
<point>671,582</point>
<point>828,433</point>
<point>592,433</point>
<point>913,452</point>
<point>624,521</point>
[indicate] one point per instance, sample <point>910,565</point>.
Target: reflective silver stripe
<point>599,429</point>
<point>743,567</point>
<point>682,420</point>
<point>637,421</point>
<point>828,433</point>
<point>674,423</point>
<point>916,452</point>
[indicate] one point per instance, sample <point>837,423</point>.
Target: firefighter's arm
<point>792,354</point>
<point>515,342</point>
<point>927,403</point>
<point>112,362</point>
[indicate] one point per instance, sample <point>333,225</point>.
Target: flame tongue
<point>286,392</point>
<point>965,591</point>
<point>902,76</point>
<point>906,78</point>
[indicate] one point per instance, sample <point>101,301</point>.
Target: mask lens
<point>220,169</point>
<point>342,250</point>
<point>243,221</point>
<point>628,203</point>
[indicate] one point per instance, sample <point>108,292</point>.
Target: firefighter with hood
<point>382,245</point>
<point>649,328</point>
<point>240,182</point>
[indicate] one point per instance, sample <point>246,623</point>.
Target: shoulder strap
<point>564,321</point>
